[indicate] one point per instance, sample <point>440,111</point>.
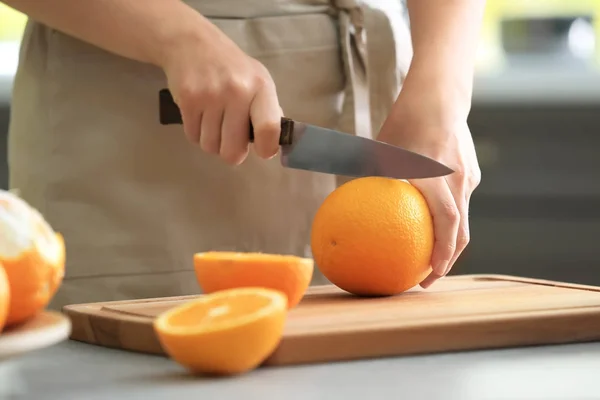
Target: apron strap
<point>356,110</point>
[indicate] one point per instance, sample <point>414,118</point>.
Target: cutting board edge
<point>94,324</point>
<point>86,316</point>
<point>277,361</point>
<point>86,329</point>
<point>292,350</point>
<point>511,278</point>
<point>589,314</point>
<point>535,281</point>
<point>527,314</point>
<point>453,342</point>
<point>78,306</point>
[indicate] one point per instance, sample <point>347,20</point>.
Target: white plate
<point>46,329</point>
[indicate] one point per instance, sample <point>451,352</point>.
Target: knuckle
<point>210,92</point>
<point>450,212</point>
<point>260,80</point>
<point>260,69</point>
<point>460,174</point>
<point>470,177</point>
<point>191,96</point>
<point>262,77</point>
<point>447,250</point>
<point>239,87</point>
<point>463,240</point>
<point>451,249</point>
<point>475,178</point>
<point>186,95</point>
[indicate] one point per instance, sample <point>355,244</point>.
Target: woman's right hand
<point>220,90</point>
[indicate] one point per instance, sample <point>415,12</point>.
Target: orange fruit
<point>33,256</point>
<point>291,275</point>
<point>4,297</point>
<point>224,333</point>
<point>373,236</point>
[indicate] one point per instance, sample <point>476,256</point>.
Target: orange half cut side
<point>224,333</point>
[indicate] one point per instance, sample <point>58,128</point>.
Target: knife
<point>317,149</point>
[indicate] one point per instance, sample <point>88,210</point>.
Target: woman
<point>135,199</point>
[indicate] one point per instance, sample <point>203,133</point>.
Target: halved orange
<point>33,256</point>
<point>220,270</point>
<point>224,333</point>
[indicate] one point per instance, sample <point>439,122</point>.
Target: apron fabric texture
<point>133,199</point>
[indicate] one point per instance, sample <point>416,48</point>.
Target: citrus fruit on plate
<point>373,236</point>
<point>227,270</point>
<point>33,256</point>
<point>226,332</point>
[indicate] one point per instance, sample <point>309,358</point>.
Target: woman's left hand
<point>430,119</point>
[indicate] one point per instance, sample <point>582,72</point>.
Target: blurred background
<point>535,118</point>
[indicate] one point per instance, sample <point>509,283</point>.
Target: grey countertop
<point>72,370</point>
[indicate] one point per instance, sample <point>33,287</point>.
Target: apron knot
<point>354,9</point>
<point>356,111</point>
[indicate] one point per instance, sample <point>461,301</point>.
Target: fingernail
<point>428,281</point>
<point>425,284</point>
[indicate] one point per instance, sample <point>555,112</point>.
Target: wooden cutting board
<point>457,313</point>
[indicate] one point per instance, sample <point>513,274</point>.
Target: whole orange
<point>373,236</point>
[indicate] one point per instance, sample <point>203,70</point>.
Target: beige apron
<point>133,199</point>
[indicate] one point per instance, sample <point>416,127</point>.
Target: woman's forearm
<point>445,35</point>
<point>145,31</point>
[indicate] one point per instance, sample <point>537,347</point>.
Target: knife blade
<point>312,148</point>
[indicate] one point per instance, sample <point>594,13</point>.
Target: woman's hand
<point>430,116</point>
<point>219,90</point>
<point>427,118</point>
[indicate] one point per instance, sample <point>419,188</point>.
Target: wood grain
<point>458,313</point>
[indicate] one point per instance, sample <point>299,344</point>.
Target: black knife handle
<point>170,114</point>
